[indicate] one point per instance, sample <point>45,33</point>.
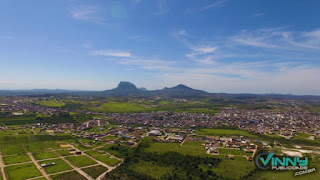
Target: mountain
<point>179,91</point>
<point>124,89</point>
<point>128,89</point>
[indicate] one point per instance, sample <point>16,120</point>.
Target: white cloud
<point>216,4</point>
<point>112,53</point>
<point>87,13</point>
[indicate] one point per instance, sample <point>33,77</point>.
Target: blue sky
<point>247,46</point>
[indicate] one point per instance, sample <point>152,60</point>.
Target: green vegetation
<point>10,150</point>
<point>224,132</point>
<point>150,169</point>
<point>16,159</point>
<point>52,103</point>
<point>106,159</point>
<point>81,161</point>
<point>95,171</point>
<point>68,176</point>
<point>23,171</point>
<point>63,152</point>
<point>45,155</point>
<point>119,107</point>
<point>234,169</point>
<point>193,149</point>
<point>93,153</point>
<point>60,165</point>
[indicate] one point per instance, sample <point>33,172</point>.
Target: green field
<point>52,103</point>
<point>63,152</point>
<point>16,159</point>
<point>106,159</point>
<point>95,171</point>
<point>151,169</point>
<point>81,161</point>
<point>23,171</point>
<point>45,155</point>
<point>224,132</point>
<point>234,169</point>
<point>194,149</point>
<point>60,165</point>
<point>73,175</point>
<point>107,149</point>
<point>10,150</point>
<point>92,153</point>
<point>119,107</point>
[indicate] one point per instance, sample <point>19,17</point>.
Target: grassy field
<point>10,150</point>
<point>63,152</point>
<point>93,153</point>
<point>73,175</point>
<point>224,132</point>
<point>106,148</point>
<point>16,159</point>
<point>52,103</point>
<point>234,169</point>
<point>45,155</point>
<point>151,169</point>
<point>81,161</point>
<point>95,171</point>
<point>23,171</point>
<point>194,149</point>
<point>119,107</point>
<point>60,165</point>
<point>106,159</point>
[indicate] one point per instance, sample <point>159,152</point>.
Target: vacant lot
<point>151,169</point>
<point>63,152</point>
<point>81,161</point>
<point>60,165</point>
<point>16,159</point>
<point>119,107</point>
<point>45,155</point>
<point>10,150</point>
<point>194,149</point>
<point>93,153</point>
<point>224,132</point>
<point>73,175</point>
<point>106,159</point>
<point>95,171</point>
<point>23,171</point>
<point>234,169</point>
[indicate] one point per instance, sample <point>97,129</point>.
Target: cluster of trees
<point>57,118</point>
<point>183,166</point>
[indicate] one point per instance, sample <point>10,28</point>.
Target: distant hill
<point>179,91</point>
<point>125,89</point>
